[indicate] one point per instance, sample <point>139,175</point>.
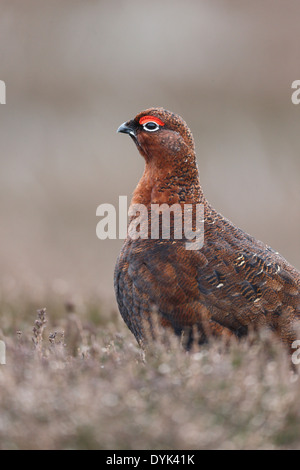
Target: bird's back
<point>232,284</point>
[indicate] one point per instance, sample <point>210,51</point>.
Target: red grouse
<point>231,285</point>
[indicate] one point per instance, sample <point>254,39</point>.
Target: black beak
<point>127,128</point>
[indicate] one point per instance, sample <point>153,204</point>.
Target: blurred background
<point>76,69</point>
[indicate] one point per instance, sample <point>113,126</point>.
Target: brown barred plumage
<point>232,284</point>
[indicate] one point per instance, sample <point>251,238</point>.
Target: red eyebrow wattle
<point>146,119</point>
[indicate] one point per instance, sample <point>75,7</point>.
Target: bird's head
<point>159,134</point>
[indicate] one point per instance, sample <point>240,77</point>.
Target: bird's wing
<point>221,285</point>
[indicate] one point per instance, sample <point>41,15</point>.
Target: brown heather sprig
<point>39,326</point>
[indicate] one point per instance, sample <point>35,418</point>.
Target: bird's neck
<point>174,183</point>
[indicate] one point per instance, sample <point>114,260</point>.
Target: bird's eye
<point>151,126</point>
